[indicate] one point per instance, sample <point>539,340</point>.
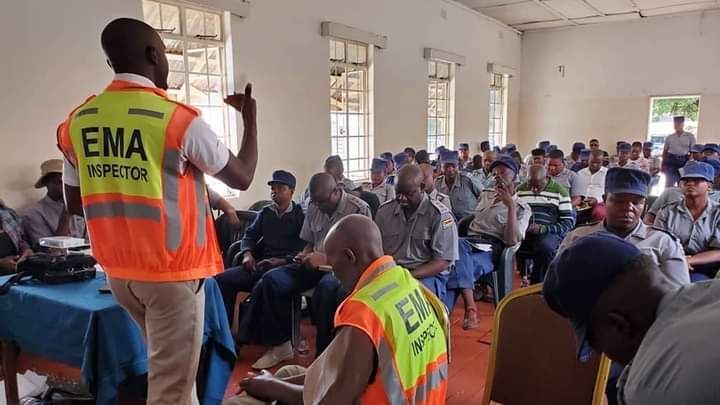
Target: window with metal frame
<point>350,106</point>
<point>497,125</point>
<point>439,122</point>
<point>196,53</point>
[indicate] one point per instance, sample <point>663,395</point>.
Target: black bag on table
<point>53,269</point>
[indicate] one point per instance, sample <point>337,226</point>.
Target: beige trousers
<point>284,372</point>
<point>171,317</point>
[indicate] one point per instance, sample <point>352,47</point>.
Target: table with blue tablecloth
<point>77,325</point>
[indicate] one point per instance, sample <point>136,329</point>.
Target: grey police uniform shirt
<point>679,145</point>
<point>463,194</point>
<point>384,192</point>
<point>695,236</point>
<point>569,179</point>
<point>491,217</point>
<point>317,223</point>
<point>430,233</point>
<point>666,251</point>
<point>441,198</point>
<point>674,194</point>
<point>677,362</point>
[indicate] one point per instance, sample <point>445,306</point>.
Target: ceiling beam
<point>595,9</point>
<point>554,12</point>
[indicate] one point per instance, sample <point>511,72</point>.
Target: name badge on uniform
<point>446,223</point>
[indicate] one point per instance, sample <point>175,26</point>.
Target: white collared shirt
<point>201,146</point>
<point>593,184</point>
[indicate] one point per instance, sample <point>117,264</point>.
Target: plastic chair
<point>533,357</point>
<point>503,272</point>
<point>228,238</point>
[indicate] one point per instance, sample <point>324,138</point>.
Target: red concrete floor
<point>470,353</point>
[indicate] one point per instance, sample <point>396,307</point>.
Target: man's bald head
<point>324,192</point>
<point>351,245</point>
<point>410,186</point>
<point>537,178</point>
<point>133,46</point>
<point>428,176</point>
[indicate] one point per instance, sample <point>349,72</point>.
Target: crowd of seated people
<point>542,204</point>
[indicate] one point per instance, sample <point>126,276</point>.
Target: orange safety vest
<point>146,220</point>
<point>401,318</point>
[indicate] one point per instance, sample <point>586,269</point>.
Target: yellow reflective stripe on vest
<point>409,322</point>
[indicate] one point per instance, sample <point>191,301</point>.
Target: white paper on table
<point>29,385</point>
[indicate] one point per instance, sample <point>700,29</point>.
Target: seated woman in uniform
<point>695,220</point>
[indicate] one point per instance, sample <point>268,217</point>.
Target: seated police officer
<point>429,183</point>
<point>272,240</point>
<point>462,191</point>
<point>695,220</point>
<point>419,233</point>
<point>500,220</point>
<point>266,320</point>
<point>625,194</point>
<point>377,184</point>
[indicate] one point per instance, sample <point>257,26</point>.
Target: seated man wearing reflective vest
<point>266,320</point>
<point>134,167</point>
<point>391,343</point>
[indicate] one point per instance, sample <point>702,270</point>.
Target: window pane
<point>213,60</point>
<point>339,50</point>
<point>174,53</point>
<point>176,86</point>
<point>340,146</point>
<point>432,127</point>
<point>442,126</point>
<point>171,18</point>
<point>196,58</point>
<point>151,14</point>
<point>194,22</point>
<point>356,148</point>
<point>352,53</point>
<point>443,70</point>
<point>431,69</point>
<point>215,91</point>
<point>354,124</point>
<point>216,118</point>
<point>356,80</point>
<point>334,118</point>
<point>199,89</point>
<point>442,92</point>
<point>432,90</point>
<point>212,25</point>
<point>337,77</point>
<point>441,111</point>
<point>362,54</point>
<point>338,100</point>
<point>356,101</point>
<point>432,107</point>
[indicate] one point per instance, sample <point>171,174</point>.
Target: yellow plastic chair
<point>533,357</point>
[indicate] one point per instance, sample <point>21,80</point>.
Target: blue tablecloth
<point>77,325</point>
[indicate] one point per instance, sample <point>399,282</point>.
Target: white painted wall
<point>611,72</point>
<point>55,61</point>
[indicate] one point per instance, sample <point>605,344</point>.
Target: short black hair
<point>556,154</point>
<point>637,143</point>
<point>594,140</point>
<point>538,152</point>
<point>422,156</point>
<point>679,118</point>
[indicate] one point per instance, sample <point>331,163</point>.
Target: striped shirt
<point>551,208</point>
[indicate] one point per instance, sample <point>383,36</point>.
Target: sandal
<point>471,319</point>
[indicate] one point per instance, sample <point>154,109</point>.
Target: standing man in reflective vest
<point>391,340</point>
<point>134,164</point>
